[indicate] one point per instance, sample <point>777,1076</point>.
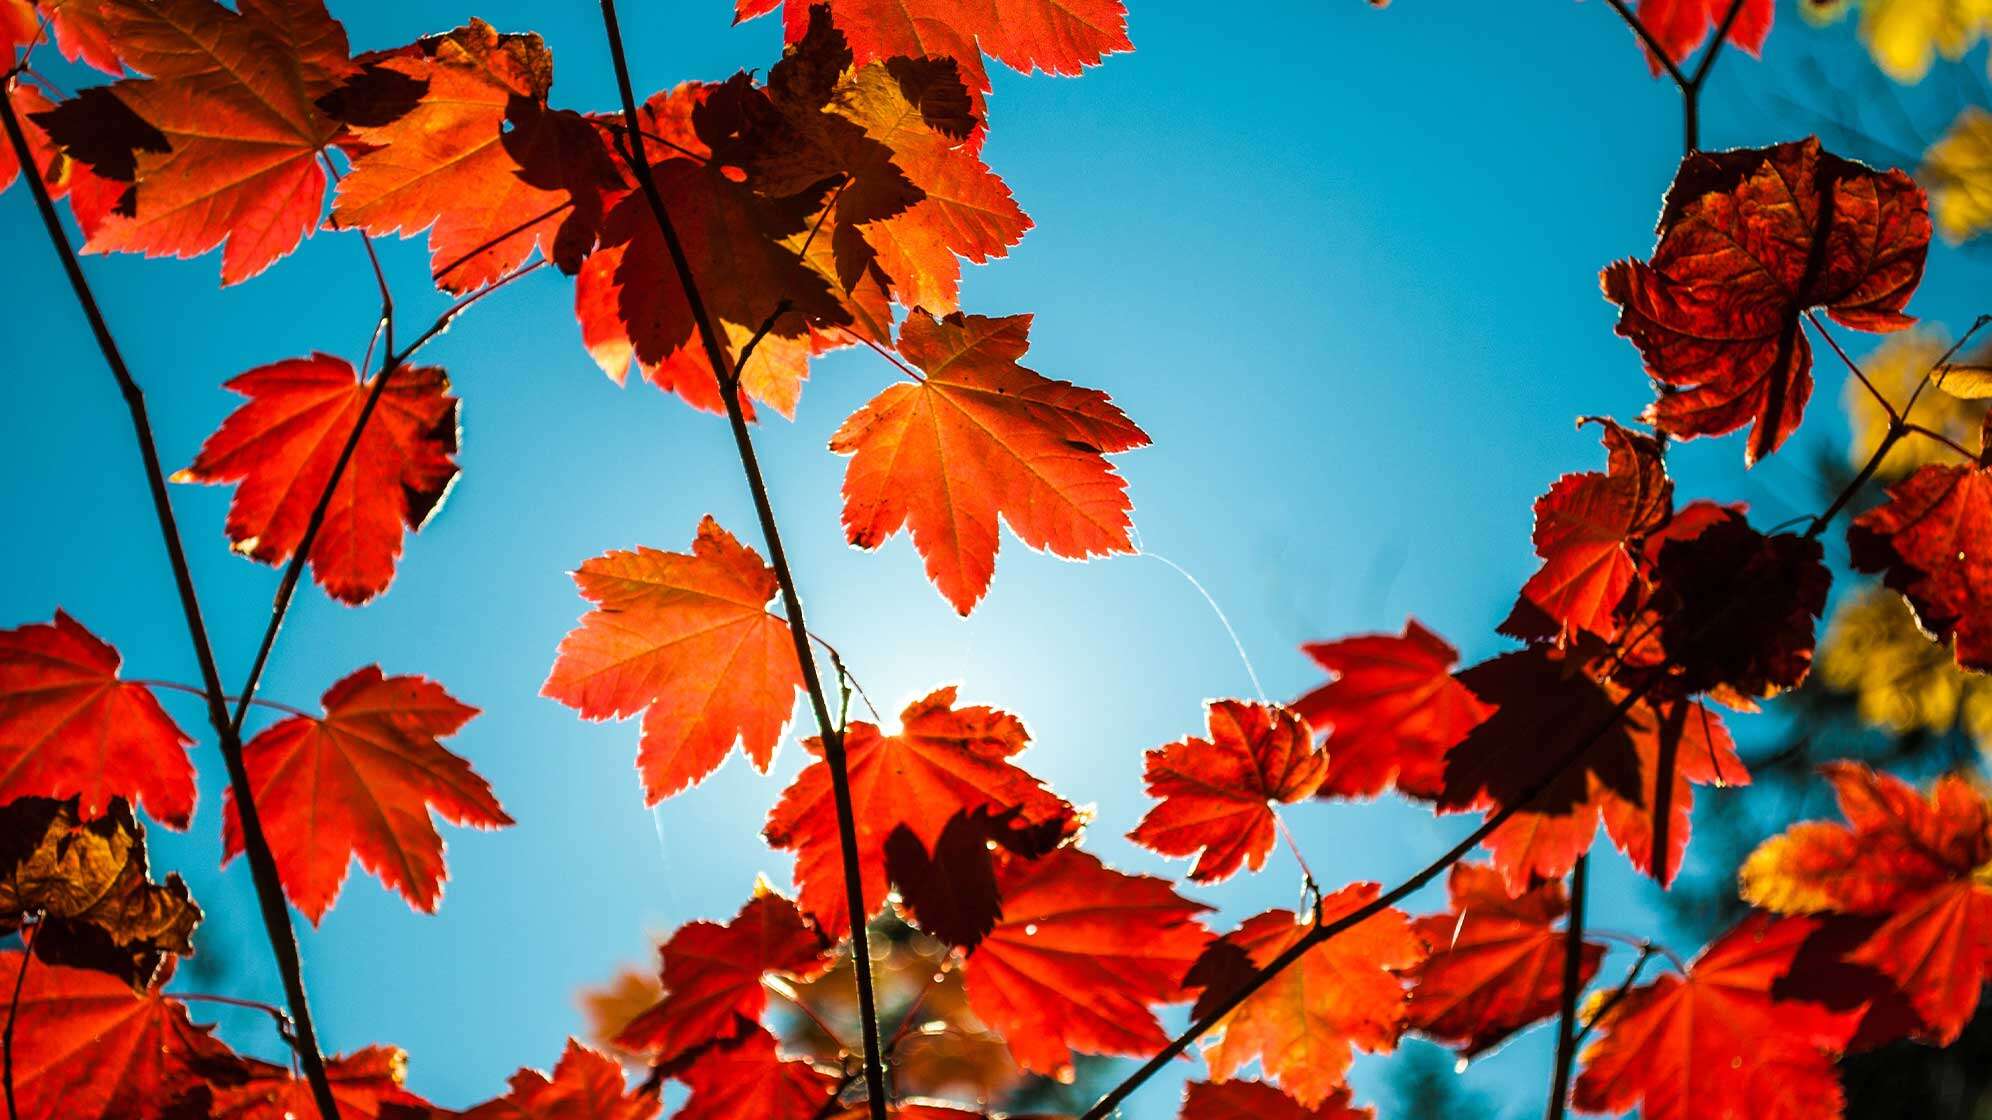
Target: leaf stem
<point>20,978</point>
<point>262,865</point>
<point>176,686</point>
<point>833,740</point>
<point>1573,983</point>
<point>1646,952</point>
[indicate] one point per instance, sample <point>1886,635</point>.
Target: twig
<point>1646,952</point>
<point>176,686</point>
<point>833,741</point>
<point>262,865</point>
<point>13,1012</point>
<point>1881,398</point>
<point>1573,983</point>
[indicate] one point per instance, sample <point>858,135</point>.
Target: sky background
<point>1340,263</point>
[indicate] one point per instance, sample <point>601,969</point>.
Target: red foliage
<point>1932,541</point>
<point>1391,713</point>
<point>1217,794</point>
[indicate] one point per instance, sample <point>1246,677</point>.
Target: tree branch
<point>729,386</point>
<point>1573,983</point>
<point>262,865</point>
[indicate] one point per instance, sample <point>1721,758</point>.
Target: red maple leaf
<point>1932,541</point>
<point>1306,1022</point>
<point>1081,954</point>
<point>1682,26</point>
<point>233,94</point>
<point>280,450</point>
<point>1749,240</point>
<point>70,728</point>
<point>980,437</point>
<point>945,761</point>
<point>366,1084</point>
<point>1217,794</point>
<point>1717,1043</point>
<point>361,781</point>
<point>1572,750</point>
<point>1587,530</point>
<point>488,193</point>
<point>1496,962</point>
<point>1736,608</point>
<point>1920,864</point>
<point>747,1080</point>
<point>1391,712</point>
<point>687,639</point>
<point>586,1085</point>
<point>1256,1100</point>
<point>87,1047</point>
<point>1055,36</point>
<point>712,978</point>
<point>77,26</point>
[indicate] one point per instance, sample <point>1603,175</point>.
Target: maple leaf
<point>82,31</point>
<point>950,893</point>
<point>88,882</point>
<point>1919,864</point>
<point>1391,713</point>
<point>944,761</point>
<point>1305,1023</point>
<point>1932,542</point>
<point>712,978</point>
<point>233,93</point>
<point>1716,1042</point>
<point>1080,955</point>
<point>1957,171</point>
<point>1256,1100</point>
<point>1749,240</point>
<point>980,436</point>
<point>1217,793</point>
<point>362,781</point>
<point>280,450</point>
<point>1496,962</point>
<point>687,639</point>
<point>88,1047</point>
<point>1587,531</point>
<point>746,1079</point>
<point>70,728</point>
<point>1613,751</point>
<point>366,1084</point>
<point>585,1085</point>
<point>1737,607</point>
<point>1055,36</point>
<point>488,193</point>
<point>1682,26</point>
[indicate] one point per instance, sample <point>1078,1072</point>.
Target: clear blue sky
<point>1340,263</point>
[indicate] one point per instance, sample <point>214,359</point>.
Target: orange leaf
<point>1750,239</point>
<point>944,761</point>
<point>1256,1100</point>
<point>233,94</point>
<point>1216,793</point>
<point>1081,954</point>
<point>1391,713</point>
<point>1496,962</point>
<point>1716,1043</point>
<point>361,781</point>
<point>364,1083</point>
<point>491,194</point>
<point>281,447</point>
<point>748,1080</point>
<point>712,978</point>
<point>1932,541</point>
<point>86,1047</point>
<point>978,437</point>
<point>586,1085</point>
<point>70,728</point>
<point>1306,1022</point>
<point>687,639</point>
<point>1922,864</point>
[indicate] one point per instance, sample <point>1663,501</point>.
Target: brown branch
<point>729,386</point>
<point>262,865</point>
<point>20,980</point>
<point>1573,983</point>
<point>1646,951</point>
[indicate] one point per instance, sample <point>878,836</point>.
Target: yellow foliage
<point>1905,36</point>
<point>1957,172</point>
<point>1900,679</point>
<point>1896,367</point>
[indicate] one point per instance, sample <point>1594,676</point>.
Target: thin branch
<point>1976,326</point>
<point>1928,433</point>
<point>1573,983</point>
<point>1625,986</point>
<point>1308,880</point>
<point>1715,45</point>
<point>844,674</point>
<point>1653,44</point>
<point>833,741</point>
<point>1895,433</point>
<point>262,865</point>
<point>1881,398</point>
<point>13,1012</point>
<point>176,686</point>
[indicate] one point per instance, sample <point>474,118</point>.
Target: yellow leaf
<point>1905,36</point>
<point>1900,679</point>
<point>1896,367</point>
<point>1967,382</point>
<point>1957,172</point>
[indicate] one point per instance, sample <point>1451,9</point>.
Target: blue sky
<point>1339,263</point>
